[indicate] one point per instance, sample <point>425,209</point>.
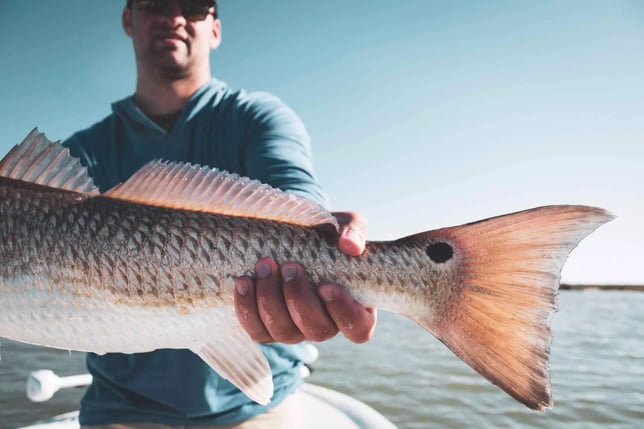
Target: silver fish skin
<point>151,264</point>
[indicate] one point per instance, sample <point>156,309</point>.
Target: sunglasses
<point>192,10</point>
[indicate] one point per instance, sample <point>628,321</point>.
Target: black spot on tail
<point>440,252</point>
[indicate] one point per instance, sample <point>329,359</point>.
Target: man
<point>179,112</point>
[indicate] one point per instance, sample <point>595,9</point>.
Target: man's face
<point>166,40</point>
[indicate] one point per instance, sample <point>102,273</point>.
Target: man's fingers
<point>279,305</point>
<point>355,321</point>
<point>353,230</point>
<point>247,312</point>
<point>304,305</point>
<point>271,305</point>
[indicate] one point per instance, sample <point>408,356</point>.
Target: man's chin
<point>173,70</point>
<point>170,60</point>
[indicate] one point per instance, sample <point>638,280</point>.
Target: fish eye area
<point>440,252</point>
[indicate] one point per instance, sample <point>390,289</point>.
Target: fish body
<point>151,264</point>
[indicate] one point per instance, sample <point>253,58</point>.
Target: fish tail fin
<point>497,318</point>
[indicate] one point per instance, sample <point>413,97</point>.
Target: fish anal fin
<point>498,317</point>
<point>40,161</point>
<point>190,187</point>
<point>238,359</point>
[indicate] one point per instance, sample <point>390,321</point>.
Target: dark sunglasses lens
<point>196,10</point>
<point>193,10</point>
<point>151,5</point>
<point>195,15</point>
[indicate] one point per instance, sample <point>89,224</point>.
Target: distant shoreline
<point>632,288</point>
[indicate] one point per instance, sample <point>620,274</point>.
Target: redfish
<point>151,264</point>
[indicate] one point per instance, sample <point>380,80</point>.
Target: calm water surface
<point>597,373</point>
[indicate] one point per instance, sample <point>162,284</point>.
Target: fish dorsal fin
<point>40,161</point>
<point>191,187</point>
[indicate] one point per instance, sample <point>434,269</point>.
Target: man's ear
<point>216,34</point>
<point>126,19</point>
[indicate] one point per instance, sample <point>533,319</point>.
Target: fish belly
<point>99,325</point>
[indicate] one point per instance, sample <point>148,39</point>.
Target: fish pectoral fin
<point>238,359</point>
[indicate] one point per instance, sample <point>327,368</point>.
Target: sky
<point>422,113</point>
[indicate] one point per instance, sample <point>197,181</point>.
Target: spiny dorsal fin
<point>38,160</point>
<point>190,187</point>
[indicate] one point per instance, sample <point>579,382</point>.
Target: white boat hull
<point>322,409</point>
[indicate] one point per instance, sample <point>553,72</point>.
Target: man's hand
<point>279,304</point>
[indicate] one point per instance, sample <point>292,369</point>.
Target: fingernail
<point>242,287</point>
<point>354,235</point>
<point>327,294</point>
<point>262,270</point>
<point>289,272</point>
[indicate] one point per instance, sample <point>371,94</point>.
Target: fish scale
<point>150,264</point>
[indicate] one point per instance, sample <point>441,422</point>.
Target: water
<point>597,373</point>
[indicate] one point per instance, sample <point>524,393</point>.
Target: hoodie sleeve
<point>276,148</point>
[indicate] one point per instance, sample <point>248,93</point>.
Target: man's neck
<point>162,96</point>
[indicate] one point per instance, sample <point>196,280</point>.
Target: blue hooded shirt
<point>252,134</point>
